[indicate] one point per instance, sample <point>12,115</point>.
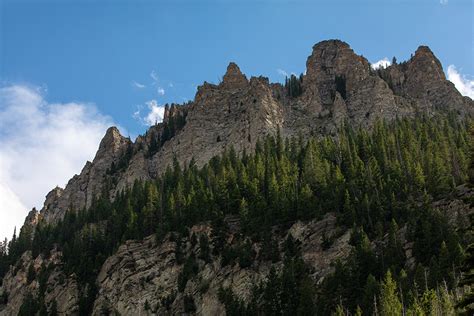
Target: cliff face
<point>144,271</point>
<point>338,86</point>
<point>141,277</point>
<point>81,189</point>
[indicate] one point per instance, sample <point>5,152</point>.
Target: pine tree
<point>389,303</point>
<point>339,311</point>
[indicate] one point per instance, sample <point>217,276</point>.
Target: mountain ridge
<point>237,112</point>
<point>303,226</point>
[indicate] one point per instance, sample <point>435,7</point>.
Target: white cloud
<point>282,72</point>
<point>156,82</point>
<point>443,2</point>
<point>154,75</point>
<point>464,85</point>
<point>42,145</point>
<point>138,85</point>
<point>155,113</point>
<point>383,63</point>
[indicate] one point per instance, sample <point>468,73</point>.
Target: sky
<point>71,68</point>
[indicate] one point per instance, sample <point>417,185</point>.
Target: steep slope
<point>338,86</point>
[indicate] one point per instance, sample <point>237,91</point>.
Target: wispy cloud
<point>443,2</point>
<point>156,82</point>
<point>282,72</point>
<point>154,113</point>
<point>464,85</point>
<point>138,85</point>
<point>154,76</point>
<point>383,63</point>
<point>39,148</point>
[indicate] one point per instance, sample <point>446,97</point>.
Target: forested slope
<point>400,192</point>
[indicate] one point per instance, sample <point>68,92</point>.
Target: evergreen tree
<point>389,302</point>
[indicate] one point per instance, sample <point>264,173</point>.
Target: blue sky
<point>68,69</point>
<point>92,52</point>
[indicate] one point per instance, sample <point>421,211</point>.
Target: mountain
<point>339,86</point>
<point>142,272</point>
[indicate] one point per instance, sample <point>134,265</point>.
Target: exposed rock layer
<point>339,86</point>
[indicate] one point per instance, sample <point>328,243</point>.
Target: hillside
<point>344,189</point>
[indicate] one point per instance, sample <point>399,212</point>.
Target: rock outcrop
<point>82,189</point>
<point>58,287</point>
<point>145,273</point>
<point>339,86</point>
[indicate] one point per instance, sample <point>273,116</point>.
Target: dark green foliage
<point>189,305</point>
<point>43,311</point>
<point>31,275</point>
<point>4,298</point>
<point>174,124</point>
<point>29,307</point>
<point>147,306</point>
<point>466,304</point>
<point>246,255</point>
<point>87,298</point>
<point>178,251</point>
<point>219,233</point>
<point>123,161</point>
<point>241,253</point>
<point>54,309</point>
<point>165,131</point>
<point>375,183</point>
<point>233,305</point>
<point>282,293</point>
<point>205,253</point>
<point>190,269</point>
<point>269,249</point>
<point>470,171</point>
<point>341,86</point>
<point>168,300</point>
<point>293,86</point>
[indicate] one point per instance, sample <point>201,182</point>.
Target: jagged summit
<point>331,60</point>
<point>339,85</point>
<point>111,139</point>
<point>426,63</point>
<point>424,50</point>
<point>233,78</point>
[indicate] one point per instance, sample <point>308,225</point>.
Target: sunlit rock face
<point>338,86</point>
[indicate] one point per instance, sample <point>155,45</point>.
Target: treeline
<point>170,127</point>
<point>293,85</point>
<point>375,182</point>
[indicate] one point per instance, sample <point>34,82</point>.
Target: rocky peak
<point>338,86</point>
<point>53,195</point>
<point>112,142</point>
<point>425,62</point>
<point>233,77</point>
<point>173,110</point>
<point>332,66</point>
<point>32,218</point>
